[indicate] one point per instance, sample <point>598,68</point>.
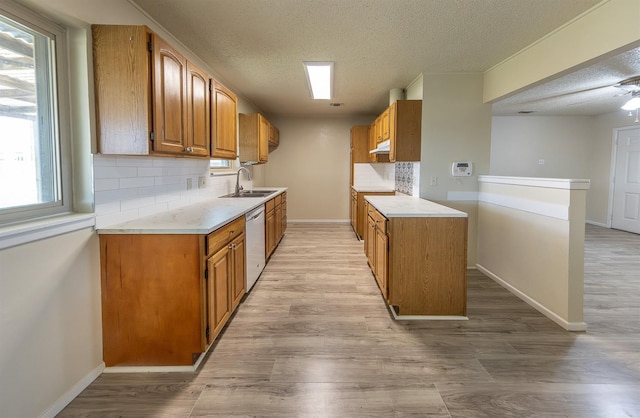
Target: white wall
<point>600,164</point>
<point>456,126</point>
<point>572,147</point>
<point>312,160</point>
<point>519,142</point>
<point>50,322</point>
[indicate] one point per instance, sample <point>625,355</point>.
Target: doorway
<point>626,184</point>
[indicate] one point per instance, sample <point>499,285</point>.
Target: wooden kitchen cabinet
<point>274,136</point>
<point>255,130</point>
<point>358,211</point>
<point>373,143</point>
<point>198,111</point>
<point>405,130</point>
<point>148,101</point>
<point>419,262</point>
<point>224,126</point>
<point>275,222</point>
<point>165,297</point>
<point>384,125</point>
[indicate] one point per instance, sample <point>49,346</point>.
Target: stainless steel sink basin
<point>251,193</point>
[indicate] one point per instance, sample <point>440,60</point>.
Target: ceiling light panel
<point>319,79</point>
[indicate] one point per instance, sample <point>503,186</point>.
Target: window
<point>34,161</point>
<point>220,164</point>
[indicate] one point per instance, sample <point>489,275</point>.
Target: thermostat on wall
<point>461,169</point>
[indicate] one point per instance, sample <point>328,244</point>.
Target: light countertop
<point>373,189</point>
<point>411,207</point>
<point>198,218</point>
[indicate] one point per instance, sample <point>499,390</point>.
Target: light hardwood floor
<point>314,339</point>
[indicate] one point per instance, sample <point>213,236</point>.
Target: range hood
<point>382,148</point>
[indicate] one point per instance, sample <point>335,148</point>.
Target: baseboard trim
<point>159,369</point>
<point>597,224</point>
<point>426,317</point>
<point>569,326</point>
<point>72,393</point>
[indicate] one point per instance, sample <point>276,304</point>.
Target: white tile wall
<point>379,174</point>
<point>130,187</point>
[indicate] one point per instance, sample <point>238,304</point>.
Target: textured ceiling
<point>257,46</point>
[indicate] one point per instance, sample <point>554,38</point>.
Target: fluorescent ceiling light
<point>632,104</point>
<point>320,79</point>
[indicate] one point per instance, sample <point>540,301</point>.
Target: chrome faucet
<point>238,187</point>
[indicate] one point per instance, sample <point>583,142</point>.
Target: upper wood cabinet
<point>169,98</point>
<point>401,124</point>
<point>274,136</point>
<point>384,125</point>
<point>149,98</point>
<point>224,128</point>
<point>255,130</point>
<point>405,130</point>
<point>198,110</point>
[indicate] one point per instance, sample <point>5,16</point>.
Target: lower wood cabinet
<point>275,222</point>
<point>358,212</point>
<point>165,297</point>
<point>419,263</point>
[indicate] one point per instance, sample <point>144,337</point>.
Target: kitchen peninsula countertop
<point>411,207</point>
<point>198,218</point>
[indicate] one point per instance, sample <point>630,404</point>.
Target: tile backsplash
<point>129,187</point>
<point>402,177</point>
<point>407,178</point>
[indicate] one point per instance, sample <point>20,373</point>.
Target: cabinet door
<point>263,139</point>
<point>198,103</point>
<point>170,108</point>
<point>239,274</point>
<point>123,116</point>
<point>218,287</point>
<point>354,213</point>
<point>224,127</point>
<point>270,233</point>
<point>278,222</point>
<point>370,243</point>
<point>381,258</point>
<point>392,131</point>
<point>385,125</point>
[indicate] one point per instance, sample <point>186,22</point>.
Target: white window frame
<point>61,120</point>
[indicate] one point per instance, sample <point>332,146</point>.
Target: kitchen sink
<point>251,193</point>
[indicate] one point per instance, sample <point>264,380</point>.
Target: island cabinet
<point>417,253</point>
<point>149,98</point>
<point>165,297</point>
<point>358,211</point>
<point>224,126</point>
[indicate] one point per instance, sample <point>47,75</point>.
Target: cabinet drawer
<point>270,205</point>
<point>284,198</point>
<point>221,237</point>
<point>278,199</point>
<point>379,219</point>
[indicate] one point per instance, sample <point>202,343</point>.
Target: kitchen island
<point>417,251</point>
<point>171,281</point>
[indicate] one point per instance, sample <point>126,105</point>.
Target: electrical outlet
<point>202,182</point>
<point>189,183</point>
<point>434,181</point>
<point>541,161</point>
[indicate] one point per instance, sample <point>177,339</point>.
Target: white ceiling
<point>257,47</point>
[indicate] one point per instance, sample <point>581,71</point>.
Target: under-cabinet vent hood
<point>382,148</point>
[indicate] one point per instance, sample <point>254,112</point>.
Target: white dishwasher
<point>255,245</point>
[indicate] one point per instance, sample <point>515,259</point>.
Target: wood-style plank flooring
<point>314,339</point>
